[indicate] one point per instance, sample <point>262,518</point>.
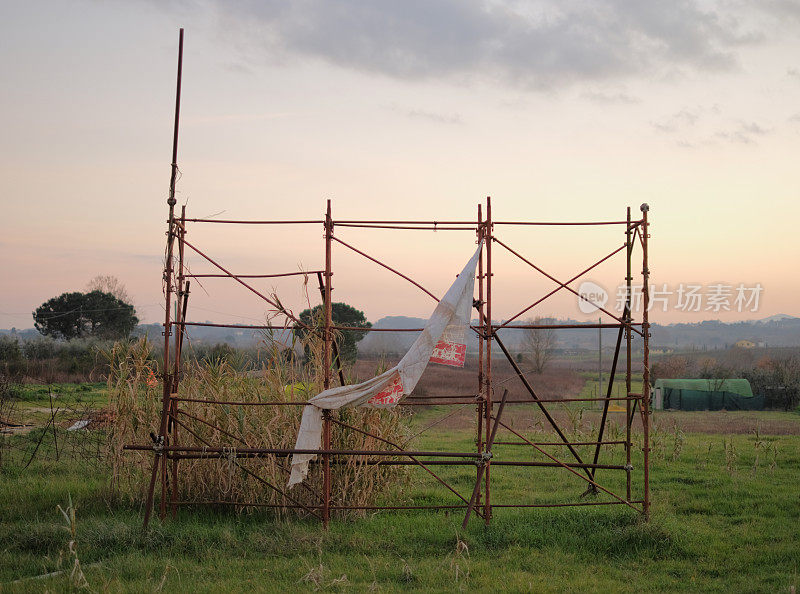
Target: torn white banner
<point>443,340</point>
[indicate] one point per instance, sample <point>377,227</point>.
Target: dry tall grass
<point>137,408</point>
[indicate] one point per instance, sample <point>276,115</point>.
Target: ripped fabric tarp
<point>443,340</point>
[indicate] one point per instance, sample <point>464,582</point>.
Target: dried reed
<point>137,409</point>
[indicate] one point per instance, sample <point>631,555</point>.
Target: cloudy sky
<point>563,110</point>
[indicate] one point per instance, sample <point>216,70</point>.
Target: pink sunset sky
<point>411,110</point>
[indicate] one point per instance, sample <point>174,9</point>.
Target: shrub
<point>42,347</point>
<point>12,363</point>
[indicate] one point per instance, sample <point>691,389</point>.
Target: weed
<point>657,439</point>
<point>407,575</point>
<point>772,449</point>
<point>730,455</point>
<point>678,439</point>
<point>704,464</point>
<point>575,416</point>
<point>758,444</point>
<point>76,574</point>
<point>318,578</point>
<point>459,562</point>
<point>614,430</point>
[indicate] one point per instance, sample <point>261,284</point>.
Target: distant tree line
<point>776,376</point>
<point>76,327</point>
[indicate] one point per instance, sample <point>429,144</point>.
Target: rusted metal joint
<point>158,443</point>
<point>590,490</point>
<point>483,459</point>
<point>629,467</point>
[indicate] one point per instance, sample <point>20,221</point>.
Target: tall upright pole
<point>481,346</point>
<point>180,316</point>
<point>180,292</point>
<point>628,336</point>
<point>168,274</point>
<point>599,357</point>
<point>487,506</point>
<point>646,359</point>
<point>326,356</point>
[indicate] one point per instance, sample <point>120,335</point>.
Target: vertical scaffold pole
<point>481,342</point>
<point>628,319</point>
<point>168,273</point>
<point>326,426</point>
<point>180,316</point>
<point>487,504</point>
<point>645,407</point>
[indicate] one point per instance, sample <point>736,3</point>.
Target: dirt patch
<point>65,418</point>
<point>15,429</point>
<point>97,419</point>
<point>557,381</point>
<point>561,380</point>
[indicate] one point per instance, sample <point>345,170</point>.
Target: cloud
<point>681,120</point>
<point>795,118</point>
<point>237,67</point>
<point>704,126</point>
<point>743,133</point>
<point>430,116</point>
<point>540,44</point>
<point>72,253</point>
<point>610,98</point>
<point>780,9</point>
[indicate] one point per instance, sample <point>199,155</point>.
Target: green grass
<point>590,388</point>
<point>718,524</point>
<point>67,394</point>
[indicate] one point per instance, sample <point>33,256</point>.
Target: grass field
<point>720,522</point>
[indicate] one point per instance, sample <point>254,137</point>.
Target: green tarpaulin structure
<point>706,394</point>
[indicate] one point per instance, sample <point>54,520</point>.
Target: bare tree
<point>715,373</point>
<point>675,367</point>
<point>538,344</point>
<point>108,283</point>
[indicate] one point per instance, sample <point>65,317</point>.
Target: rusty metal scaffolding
<point>168,450</point>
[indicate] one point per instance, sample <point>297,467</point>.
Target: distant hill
<point>775,331</point>
<point>778,330</point>
<point>25,334</point>
<point>775,318</point>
